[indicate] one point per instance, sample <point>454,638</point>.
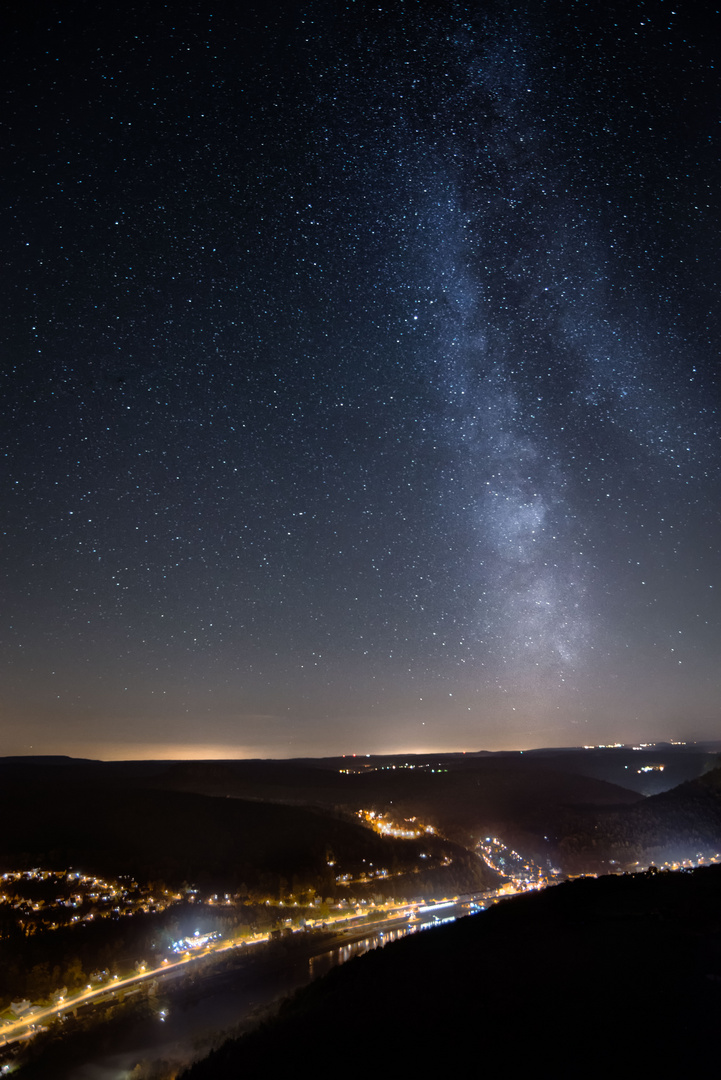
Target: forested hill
<point>256,848</point>
<point>675,826</point>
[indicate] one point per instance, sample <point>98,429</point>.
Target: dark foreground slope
<point>594,975</point>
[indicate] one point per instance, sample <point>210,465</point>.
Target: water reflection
<point>321,965</point>
<point>218,1006</point>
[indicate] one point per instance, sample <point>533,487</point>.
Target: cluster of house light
<point>410,829</point>
<point>108,899</point>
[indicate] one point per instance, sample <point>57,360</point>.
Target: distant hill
<point>648,770</point>
<point>547,804</point>
<point>674,826</point>
<point>592,976</point>
<point>463,796</point>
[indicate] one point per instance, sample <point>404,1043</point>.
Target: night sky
<point>359,380</point>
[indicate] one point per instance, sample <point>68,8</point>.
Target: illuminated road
<point>26,1026</point>
<point>13,1030</point>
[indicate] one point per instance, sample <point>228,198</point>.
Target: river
<point>187,1016</point>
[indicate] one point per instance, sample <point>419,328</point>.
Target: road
<point>350,928</point>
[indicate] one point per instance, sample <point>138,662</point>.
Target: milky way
<point>360,388</point>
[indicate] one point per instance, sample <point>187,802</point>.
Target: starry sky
<point>359,380</point>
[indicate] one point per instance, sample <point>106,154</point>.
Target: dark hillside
<point>463,797</point>
<point>675,826</point>
<point>216,843</point>
<point>75,808</point>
